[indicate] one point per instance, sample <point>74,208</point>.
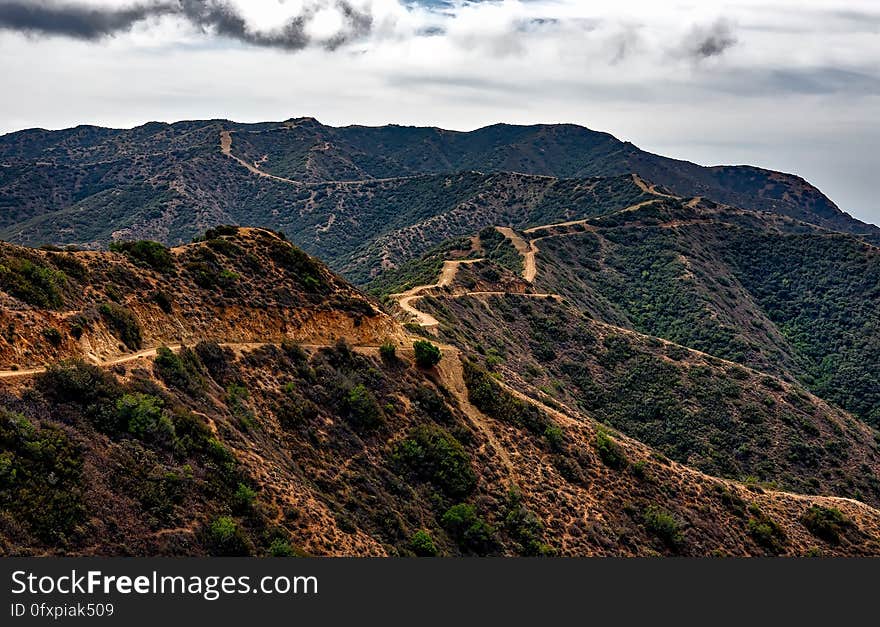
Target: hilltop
<point>287,415</point>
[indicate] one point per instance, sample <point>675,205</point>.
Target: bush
<point>765,531</point>
<point>436,456</point>
<point>609,451</point>
<point>243,500</point>
<point>827,523</point>
<point>182,371</point>
<point>281,548</point>
<point>468,529</point>
<point>388,351</point>
<point>144,417</point>
<point>32,282</point>
<point>163,300</point>
<point>226,538</point>
<point>427,355</point>
<point>362,408</point>
<point>123,323</point>
<point>40,477</point>
<point>488,396</point>
<point>53,336</point>
<point>422,544</point>
<point>147,253</point>
<point>662,524</point>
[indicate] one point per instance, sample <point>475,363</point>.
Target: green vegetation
<point>500,250</point>
<point>434,455</point>
<point>40,477</point>
<point>183,370</point>
<point>388,351</point>
<point>427,355</point>
<point>610,452</point>
<point>422,544</point>
<point>32,281</point>
<point>144,417</point>
<point>225,538</point>
<point>488,396</point>
<point>53,336</point>
<point>123,323</point>
<point>147,253</point>
<point>765,531</point>
<point>827,523</point>
<point>525,527</point>
<point>468,529</point>
<point>664,525</point>
<point>363,409</point>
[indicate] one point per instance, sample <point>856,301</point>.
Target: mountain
<point>361,198</point>
<point>233,396</point>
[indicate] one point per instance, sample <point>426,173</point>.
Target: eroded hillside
<point>265,434</point>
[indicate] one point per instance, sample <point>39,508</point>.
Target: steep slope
<point>268,436</point>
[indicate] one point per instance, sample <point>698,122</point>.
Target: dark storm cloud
<point>90,23</point>
<point>712,41</point>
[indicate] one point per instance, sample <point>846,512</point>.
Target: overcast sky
<point>791,85</point>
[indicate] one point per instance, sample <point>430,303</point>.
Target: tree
<point>427,355</point>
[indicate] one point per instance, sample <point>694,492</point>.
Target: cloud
<point>712,41</point>
<point>217,17</point>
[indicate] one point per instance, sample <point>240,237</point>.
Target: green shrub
<point>827,523</point>
<point>491,398</point>
<point>147,253</point>
<point>427,355</point>
<point>123,324</point>
<point>469,530</point>
<point>388,351</point>
<point>663,524</point>
<point>610,452</point>
<point>363,409</point>
<point>281,548</point>
<point>182,371</point>
<point>32,282</point>
<point>226,538</point>
<point>422,544</point>
<point>436,456</point>
<point>765,531</point>
<point>163,300</point>
<point>53,336</point>
<point>144,417</point>
<point>40,477</point>
<point>525,527</point>
<point>243,499</point>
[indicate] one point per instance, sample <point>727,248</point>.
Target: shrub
<point>468,529</point>
<point>488,396</point>
<point>609,451</point>
<point>662,524</point>
<point>32,282</point>
<point>243,499</point>
<point>147,253</point>
<point>436,456</point>
<point>40,477</point>
<point>422,544</point>
<point>53,336</point>
<point>388,351</point>
<point>281,548</point>
<point>427,355</point>
<point>123,323</point>
<point>226,538</point>
<point>163,300</point>
<point>765,531</point>
<point>825,522</point>
<point>145,418</point>
<point>525,527</point>
<point>362,408</point>
<point>182,371</point>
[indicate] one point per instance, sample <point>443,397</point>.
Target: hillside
<point>283,427</point>
<point>361,198</point>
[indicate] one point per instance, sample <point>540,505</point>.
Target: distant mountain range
<point>359,197</point>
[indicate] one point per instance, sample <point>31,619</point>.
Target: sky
<point>791,85</point>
